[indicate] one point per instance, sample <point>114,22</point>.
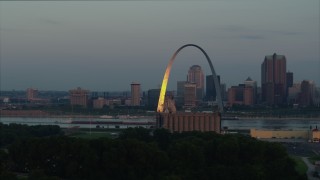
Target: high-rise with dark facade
<point>210,88</point>
<point>289,81</point>
<point>273,79</point>
<point>153,97</point>
<point>289,77</point>
<point>179,99</point>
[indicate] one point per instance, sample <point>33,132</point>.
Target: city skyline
<point>54,46</point>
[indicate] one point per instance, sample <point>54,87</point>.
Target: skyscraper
<point>224,94</point>
<point>273,79</point>
<point>179,99</point>
<point>153,97</point>
<point>235,95</point>
<point>307,93</point>
<point>289,79</point>
<point>135,94</point>
<point>190,98</point>
<point>293,93</point>
<point>180,88</point>
<point>210,88</point>
<point>251,83</point>
<point>195,75</point>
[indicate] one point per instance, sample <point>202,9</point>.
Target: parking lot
<point>303,149</point>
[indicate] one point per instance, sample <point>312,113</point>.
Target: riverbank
<point>278,118</point>
<point>44,114</point>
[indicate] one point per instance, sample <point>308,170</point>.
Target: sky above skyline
<point>106,45</point>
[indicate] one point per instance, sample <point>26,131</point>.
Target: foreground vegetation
<point>15,132</point>
<point>300,167</point>
<point>141,154</point>
<point>314,158</point>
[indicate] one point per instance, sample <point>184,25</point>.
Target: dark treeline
<point>141,154</point>
<point>14,132</point>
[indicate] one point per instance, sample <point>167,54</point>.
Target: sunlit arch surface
<point>167,74</point>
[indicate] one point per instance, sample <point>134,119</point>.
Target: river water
<point>241,124</point>
<point>80,122</point>
<point>261,123</point>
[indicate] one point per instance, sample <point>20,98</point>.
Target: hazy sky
<point>106,45</point>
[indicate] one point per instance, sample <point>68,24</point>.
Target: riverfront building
<point>312,135</point>
<point>185,121</point>
<point>280,134</point>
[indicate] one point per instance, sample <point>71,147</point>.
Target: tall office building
<point>289,79</point>
<point>224,94</point>
<point>190,98</point>
<point>293,93</point>
<point>273,79</point>
<point>243,94</point>
<point>180,88</point>
<point>210,88</point>
<point>179,99</point>
<point>153,98</point>
<point>31,94</point>
<point>195,75</point>
<point>251,83</point>
<point>307,93</point>
<point>79,97</point>
<point>135,94</point>
<point>248,96</point>
<point>235,95</point>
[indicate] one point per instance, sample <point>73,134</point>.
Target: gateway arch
<point>167,74</point>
